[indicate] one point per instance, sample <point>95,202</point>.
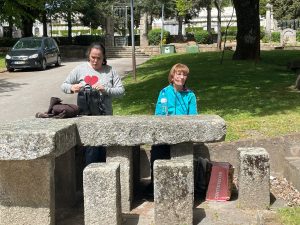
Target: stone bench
<point>35,152</point>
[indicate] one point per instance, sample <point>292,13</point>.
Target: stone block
<point>254,178</point>
<point>27,192</point>
<point>123,156</point>
<point>154,130</point>
<point>65,180</point>
<point>101,185</point>
<point>173,192</point>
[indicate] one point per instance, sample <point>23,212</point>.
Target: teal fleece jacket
<point>179,102</point>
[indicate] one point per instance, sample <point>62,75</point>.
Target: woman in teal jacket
<point>175,99</point>
<point>180,99</point>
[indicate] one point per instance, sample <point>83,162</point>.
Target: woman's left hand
<point>98,87</point>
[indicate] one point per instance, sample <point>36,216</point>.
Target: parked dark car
<point>33,52</point>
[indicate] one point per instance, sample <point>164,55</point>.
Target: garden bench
<point>37,157</point>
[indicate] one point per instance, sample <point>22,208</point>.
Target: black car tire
<point>10,69</point>
<point>58,61</point>
<point>43,64</point>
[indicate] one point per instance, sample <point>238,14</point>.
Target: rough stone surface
<point>137,130</point>
<point>101,184</point>
<point>123,156</point>
<point>173,192</point>
<point>254,178</point>
<point>27,192</point>
<point>35,138</point>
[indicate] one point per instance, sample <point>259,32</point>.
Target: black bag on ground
<point>202,175</point>
<point>90,101</point>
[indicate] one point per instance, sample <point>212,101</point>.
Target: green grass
<point>290,216</point>
<point>255,99</point>
<point>2,61</point>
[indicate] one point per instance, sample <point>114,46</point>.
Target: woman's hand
<point>76,87</point>
<point>99,87</point>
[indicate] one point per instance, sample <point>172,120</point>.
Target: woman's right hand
<point>76,87</point>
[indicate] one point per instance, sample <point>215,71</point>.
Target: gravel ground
<point>282,189</point>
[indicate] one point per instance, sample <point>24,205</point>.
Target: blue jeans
<point>94,154</point>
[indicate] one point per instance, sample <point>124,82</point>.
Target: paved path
<point>24,93</point>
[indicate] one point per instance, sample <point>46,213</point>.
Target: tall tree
<point>182,7</point>
<point>248,29</point>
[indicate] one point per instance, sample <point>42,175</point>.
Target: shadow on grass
<point>233,88</point>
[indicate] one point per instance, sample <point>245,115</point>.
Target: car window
<point>48,43</point>
<point>28,44</point>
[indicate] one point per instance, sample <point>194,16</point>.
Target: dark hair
<point>97,45</point>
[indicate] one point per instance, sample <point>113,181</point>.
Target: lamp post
<point>162,25</point>
<point>132,42</point>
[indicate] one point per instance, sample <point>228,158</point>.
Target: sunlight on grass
<point>255,99</point>
<point>2,61</point>
<point>290,216</point>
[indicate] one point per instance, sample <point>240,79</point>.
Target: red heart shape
<point>91,80</point>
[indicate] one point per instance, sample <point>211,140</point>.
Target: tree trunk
<point>69,20</point>
<point>248,30</point>
<point>180,21</point>
<point>44,18</point>
<point>208,9</point>
<point>218,6</point>
<point>27,25</point>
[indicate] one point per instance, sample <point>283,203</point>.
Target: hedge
<point>154,36</point>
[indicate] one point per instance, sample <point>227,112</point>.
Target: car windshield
<point>28,43</point>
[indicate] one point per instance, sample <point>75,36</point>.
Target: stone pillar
<point>101,185</point>
<point>144,30</point>
<point>65,180</point>
<point>109,36</point>
<point>173,192</point>
<point>123,155</point>
<point>254,178</point>
<point>182,151</point>
<point>27,192</point>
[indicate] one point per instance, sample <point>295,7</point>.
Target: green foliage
<point>202,37</point>
<point>155,34</point>
<point>2,61</point>
<point>193,29</point>
<point>250,96</point>
<point>286,9</point>
<point>231,31</point>
<point>275,37</point>
<point>8,42</point>
<point>183,6</point>
<point>86,40</point>
<point>290,216</point>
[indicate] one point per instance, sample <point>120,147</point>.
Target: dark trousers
<point>94,154</point>
<point>158,152</point>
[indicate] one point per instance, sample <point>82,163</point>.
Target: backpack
<point>90,101</point>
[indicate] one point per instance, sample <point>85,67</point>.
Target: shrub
<point>154,36</point>
<point>202,37</point>
<point>192,30</point>
<point>88,39</point>
<point>63,40</point>
<point>8,42</point>
<point>231,31</point>
<point>275,36</point>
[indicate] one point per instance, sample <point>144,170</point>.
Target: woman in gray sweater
<point>101,77</point>
<point>97,73</point>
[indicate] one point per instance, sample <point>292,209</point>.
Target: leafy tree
<point>182,7</point>
<point>286,9</point>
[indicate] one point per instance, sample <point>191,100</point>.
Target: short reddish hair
<point>178,68</point>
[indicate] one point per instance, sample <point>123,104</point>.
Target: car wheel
<point>43,64</point>
<point>10,69</point>
<point>58,61</point>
